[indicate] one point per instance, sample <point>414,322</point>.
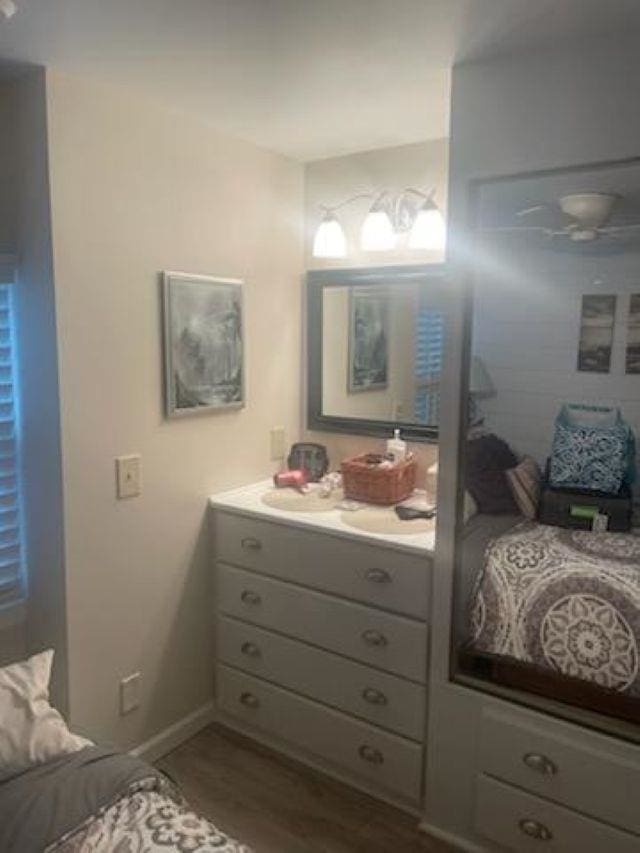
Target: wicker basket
<point>364,479</point>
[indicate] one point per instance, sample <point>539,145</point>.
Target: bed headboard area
<point>528,323</point>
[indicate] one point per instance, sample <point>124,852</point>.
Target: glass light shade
<point>330,241</point>
<point>377,234</point>
<point>428,230</point>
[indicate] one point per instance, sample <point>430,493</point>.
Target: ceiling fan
<point>579,217</point>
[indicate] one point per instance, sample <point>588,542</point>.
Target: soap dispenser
<point>396,447</point>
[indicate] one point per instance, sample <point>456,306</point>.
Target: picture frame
<point>203,344</point>
<point>368,340</point>
<point>597,325</point>
<point>632,354</point>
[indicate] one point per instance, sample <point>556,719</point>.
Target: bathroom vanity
<point>323,636</point>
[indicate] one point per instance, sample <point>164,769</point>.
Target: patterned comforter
<point>151,818</point>
<point>565,600</point>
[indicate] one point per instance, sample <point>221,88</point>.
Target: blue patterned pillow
<point>593,448</point>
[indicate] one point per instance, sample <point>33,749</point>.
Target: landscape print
<point>368,341</point>
<point>633,335</point>
<point>203,344</point>
<point>596,333</point>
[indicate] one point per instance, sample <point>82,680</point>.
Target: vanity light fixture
<point>411,211</point>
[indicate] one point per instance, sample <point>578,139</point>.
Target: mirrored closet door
<point>547,586</point>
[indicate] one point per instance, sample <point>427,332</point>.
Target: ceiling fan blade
<point>619,229</point>
<point>535,209</point>
<point>517,228</point>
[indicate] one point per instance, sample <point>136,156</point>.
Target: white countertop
<point>248,501</point>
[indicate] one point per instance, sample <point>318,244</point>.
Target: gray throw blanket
<point>42,804</point>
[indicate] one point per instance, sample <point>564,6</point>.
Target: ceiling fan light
<point>377,234</point>
<point>329,240</point>
<point>8,8</point>
<point>428,230</point>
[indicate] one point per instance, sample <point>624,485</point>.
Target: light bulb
<point>377,234</point>
<point>329,241</point>
<point>428,230</point>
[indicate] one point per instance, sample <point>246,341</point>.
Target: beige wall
<point>422,165</point>
<point>136,190</point>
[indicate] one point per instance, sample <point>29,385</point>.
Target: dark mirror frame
<point>317,281</point>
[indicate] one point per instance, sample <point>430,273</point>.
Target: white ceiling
<point>308,78</point>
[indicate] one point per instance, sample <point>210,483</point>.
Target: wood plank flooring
<point>276,805</point>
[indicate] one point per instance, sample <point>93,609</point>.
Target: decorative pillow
<point>487,459</point>
<point>31,731</point>
<point>525,481</point>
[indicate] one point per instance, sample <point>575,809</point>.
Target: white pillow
<point>31,731</point>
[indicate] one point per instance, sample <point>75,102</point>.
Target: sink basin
<point>291,500</point>
<point>373,519</point>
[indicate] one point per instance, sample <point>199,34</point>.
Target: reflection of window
<point>428,364</point>
<point>11,555</point>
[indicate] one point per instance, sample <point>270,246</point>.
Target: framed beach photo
<point>203,344</point>
<point>368,360</point>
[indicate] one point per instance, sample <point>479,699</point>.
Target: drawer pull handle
<point>249,700</point>
<point>370,754</point>
<point>374,697</point>
<point>378,576</point>
<point>250,543</point>
<point>374,638</point>
<point>250,597</point>
<point>250,650</point>
<point>540,763</point>
<point>534,829</point>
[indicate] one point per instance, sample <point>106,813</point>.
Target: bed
<point>554,611</point>
<point>97,800</point>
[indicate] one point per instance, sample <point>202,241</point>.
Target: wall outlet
<point>130,693</point>
<point>128,476</point>
<point>277,443</point>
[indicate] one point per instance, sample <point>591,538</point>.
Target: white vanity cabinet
<point>322,644</point>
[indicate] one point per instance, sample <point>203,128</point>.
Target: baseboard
<point>456,841</point>
<point>170,738</point>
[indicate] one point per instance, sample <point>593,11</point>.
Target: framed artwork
<point>596,333</point>
<point>368,348</point>
<point>633,335</point>
<point>203,344</point>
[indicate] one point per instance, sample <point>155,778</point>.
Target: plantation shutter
<point>428,364</point>
<point>11,547</point>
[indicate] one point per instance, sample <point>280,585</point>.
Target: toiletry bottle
<point>396,447</point>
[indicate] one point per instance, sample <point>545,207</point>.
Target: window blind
<point>428,364</point>
<point>11,543</point>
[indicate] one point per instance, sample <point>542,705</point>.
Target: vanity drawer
<point>596,776</point>
<point>380,639</point>
<point>385,759</point>
<point>375,696</point>
<point>372,574</point>
<point>523,823</point>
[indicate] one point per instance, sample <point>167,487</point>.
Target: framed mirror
<point>375,338</point>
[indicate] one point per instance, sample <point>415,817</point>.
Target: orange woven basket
<point>364,480</point>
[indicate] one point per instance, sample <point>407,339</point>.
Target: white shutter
<point>11,547</point>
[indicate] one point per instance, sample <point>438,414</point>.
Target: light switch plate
<point>128,476</point>
<point>277,443</point>
<point>130,693</point>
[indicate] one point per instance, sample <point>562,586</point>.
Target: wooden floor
<point>276,805</point>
